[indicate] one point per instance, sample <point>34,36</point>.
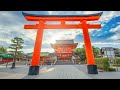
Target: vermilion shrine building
<point>64,49</point>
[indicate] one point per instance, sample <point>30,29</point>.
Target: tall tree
<point>20,55</point>
<point>96,51</point>
<point>2,49</point>
<point>16,46</point>
<point>82,52</point>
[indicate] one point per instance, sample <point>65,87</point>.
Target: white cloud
<point>51,35</point>
<point>47,50</point>
<point>105,31</point>
<point>100,43</point>
<point>118,22</point>
<point>115,29</point>
<point>99,35</point>
<point>107,15</point>
<point>113,43</point>
<point>15,24</point>
<point>5,40</point>
<point>114,37</point>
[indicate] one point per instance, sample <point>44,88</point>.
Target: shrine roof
<point>65,42</point>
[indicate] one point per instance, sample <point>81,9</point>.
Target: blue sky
<point>12,25</point>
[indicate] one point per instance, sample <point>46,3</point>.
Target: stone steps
<point>64,62</point>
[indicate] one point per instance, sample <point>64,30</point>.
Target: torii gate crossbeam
<point>34,68</point>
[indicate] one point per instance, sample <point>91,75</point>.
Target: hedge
<point>116,62</point>
<point>103,63</point>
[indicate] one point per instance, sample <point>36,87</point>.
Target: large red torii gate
<point>34,68</point>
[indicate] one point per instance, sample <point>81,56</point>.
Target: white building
<point>108,52</point>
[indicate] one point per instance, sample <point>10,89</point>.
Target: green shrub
<point>103,63</point>
<point>116,65</point>
<point>99,63</point>
<point>111,69</point>
<point>106,64</point>
<point>116,62</point>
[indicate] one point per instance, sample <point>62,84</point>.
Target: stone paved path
<point>63,72</point>
<point>55,72</point>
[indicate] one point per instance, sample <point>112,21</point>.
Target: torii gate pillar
<point>92,68</point>
<point>34,68</point>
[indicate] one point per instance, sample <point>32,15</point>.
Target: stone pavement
<point>100,75</point>
<point>55,72</point>
<point>63,72</point>
<point>17,73</point>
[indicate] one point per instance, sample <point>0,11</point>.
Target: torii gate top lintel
<point>88,17</point>
<point>62,19</point>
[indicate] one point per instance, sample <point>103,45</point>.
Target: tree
<point>15,46</point>
<point>96,51</point>
<point>82,52</point>
<point>78,50</point>
<point>2,49</point>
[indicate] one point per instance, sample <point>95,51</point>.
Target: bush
<point>116,62</point>
<point>106,64</point>
<point>103,63</point>
<point>99,63</point>
<point>111,69</point>
<point>116,65</point>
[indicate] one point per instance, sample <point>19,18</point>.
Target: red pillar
<point>60,56</point>
<point>67,56</point>
<point>92,68</point>
<point>38,45</point>
<point>34,69</point>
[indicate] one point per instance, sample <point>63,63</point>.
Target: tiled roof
<point>5,55</point>
<point>64,42</point>
<point>107,48</point>
<point>42,54</point>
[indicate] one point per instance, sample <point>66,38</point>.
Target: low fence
<point>5,61</point>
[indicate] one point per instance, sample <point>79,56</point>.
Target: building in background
<point>64,49</point>
<point>108,52</point>
<point>46,58</point>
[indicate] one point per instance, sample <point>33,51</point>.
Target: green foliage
<point>20,55</point>
<point>2,49</point>
<point>111,69</point>
<point>116,62</point>
<point>16,43</point>
<point>103,63</point>
<point>82,52</point>
<point>99,63</point>
<point>106,64</point>
<point>78,50</point>
<point>96,51</point>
